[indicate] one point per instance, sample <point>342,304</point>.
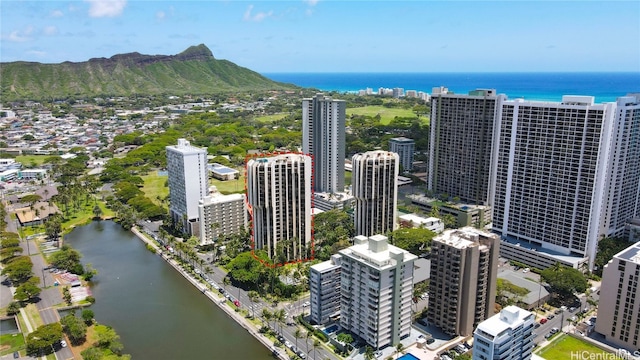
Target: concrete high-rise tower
<point>404,147</point>
<point>619,308</point>
<point>566,174</point>
<point>375,189</point>
<point>188,183</point>
<point>462,289</point>
<point>323,137</point>
<point>461,147</point>
<point>376,290</point>
<point>279,201</point>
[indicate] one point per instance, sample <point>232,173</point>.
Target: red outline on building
<point>250,209</point>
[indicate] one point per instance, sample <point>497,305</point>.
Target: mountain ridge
<point>192,71</point>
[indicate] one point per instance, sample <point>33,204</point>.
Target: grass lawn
<point>10,343</point>
<point>229,186</point>
<point>271,118</point>
<point>347,178</point>
<point>562,348</point>
<point>386,114</point>
<point>34,316</point>
<point>154,187</point>
<point>26,160</point>
<point>84,215</point>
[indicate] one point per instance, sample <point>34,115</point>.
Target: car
<point>551,317</point>
<point>305,304</point>
<point>302,355</point>
<point>280,338</point>
<point>548,336</point>
<point>537,325</point>
<point>63,343</point>
<point>287,344</point>
<point>16,354</point>
<point>431,341</point>
<point>572,309</point>
<point>558,311</point>
<point>543,320</point>
<point>377,354</point>
<point>526,270</point>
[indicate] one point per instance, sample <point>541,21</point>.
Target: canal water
<point>157,313</point>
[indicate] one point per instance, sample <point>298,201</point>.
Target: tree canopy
<point>564,281</point>
<point>43,338</point>
<point>608,247</point>
<point>415,240</point>
<point>67,259</point>
<point>18,269</point>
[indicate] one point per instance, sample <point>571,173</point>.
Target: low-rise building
<point>466,214</point>
<point>416,221</point>
<point>507,335</point>
<point>221,215</point>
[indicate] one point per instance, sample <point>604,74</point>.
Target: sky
<point>335,35</point>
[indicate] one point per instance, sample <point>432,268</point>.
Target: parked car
<point>543,320</point>
<point>63,343</point>
<point>551,317</point>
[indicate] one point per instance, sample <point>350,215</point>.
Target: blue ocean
<point>531,86</point>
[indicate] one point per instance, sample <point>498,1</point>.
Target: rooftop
<point>632,253</point>
<point>510,317</point>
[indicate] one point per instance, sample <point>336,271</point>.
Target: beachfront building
<point>376,290</point>
<point>462,289</point>
<point>461,146</point>
<point>507,335</point>
<point>324,288</point>
<point>221,215</point>
<point>323,137</point>
<point>619,308</point>
<point>567,174</point>
<point>375,189</point>
<point>405,148</point>
<point>279,203</point>
<point>188,183</point>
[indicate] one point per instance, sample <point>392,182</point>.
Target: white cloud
<point>106,8</point>
<point>160,15</point>
<point>50,30</point>
<point>56,13</point>
<point>19,36</point>
<point>257,17</point>
<point>311,2</point>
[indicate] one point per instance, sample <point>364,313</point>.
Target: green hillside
<point>194,71</point>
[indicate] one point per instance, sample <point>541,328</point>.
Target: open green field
<point>10,343</point>
<point>229,186</point>
<point>84,215</point>
<point>386,114</point>
<point>27,160</point>
<point>562,348</point>
<point>154,187</point>
<point>271,118</point>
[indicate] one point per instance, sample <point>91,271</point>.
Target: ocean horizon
<point>543,86</point>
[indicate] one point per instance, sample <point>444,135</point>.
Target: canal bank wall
<point>213,296</point>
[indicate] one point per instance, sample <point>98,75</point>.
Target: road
<point>217,275</point>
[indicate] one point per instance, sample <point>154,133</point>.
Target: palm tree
<point>267,315</point>
<point>297,334</point>
<point>280,318</point>
<point>253,295</point>
<point>399,349</point>
<point>368,353</point>
<point>315,344</point>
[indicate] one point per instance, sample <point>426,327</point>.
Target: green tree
<point>89,272</point>
<point>345,338</point>
<point>13,308</point>
<point>415,240</point>
<point>27,290</point>
<point>107,338</point>
<point>97,212</point>
<point>53,227</point>
<point>68,259</point>
<point>399,349</point>
<point>42,339</point>
<point>247,270</point>
<point>31,199</point>
<point>18,269</point>
<point>564,281</point>
<point>607,247</point>
<point>369,353</point>
<point>75,328</point>
<point>87,316</point>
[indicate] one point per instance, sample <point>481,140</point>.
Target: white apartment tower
<point>505,336</point>
<point>460,147</point>
<point>619,307</point>
<point>405,148</point>
<point>279,202</point>
<point>462,289</point>
<point>221,215</point>
<point>377,290</point>
<point>567,173</point>
<point>324,286</point>
<point>375,189</point>
<point>323,137</point>
<point>188,183</point>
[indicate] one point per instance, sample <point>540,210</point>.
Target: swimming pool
<point>408,357</point>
